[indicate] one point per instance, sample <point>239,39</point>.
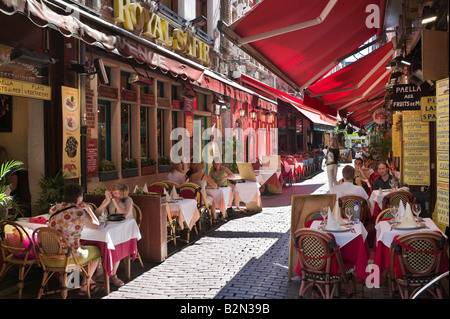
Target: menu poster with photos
<point>442,150</point>
<point>71,132</point>
<point>416,149</point>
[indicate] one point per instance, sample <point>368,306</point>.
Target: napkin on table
<point>174,193</point>
<point>331,222</point>
<point>408,219</point>
<point>337,213</point>
<point>145,188</point>
<point>38,220</point>
<point>167,195</point>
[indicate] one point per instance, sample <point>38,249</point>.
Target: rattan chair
<point>53,260</point>
<point>137,215</point>
<point>171,226</point>
<point>384,214</point>
<point>316,253</point>
<point>170,185</point>
<point>415,260</point>
<point>349,201</point>
<point>311,216</point>
<point>17,249</point>
<point>192,189</point>
<point>394,199</point>
<point>158,187</point>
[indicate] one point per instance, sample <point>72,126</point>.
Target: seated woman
<point>175,173</point>
<point>220,174</point>
<point>204,181</point>
<point>69,218</point>
<point>117,201</point>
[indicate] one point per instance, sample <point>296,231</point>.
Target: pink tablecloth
<point>111,256</point>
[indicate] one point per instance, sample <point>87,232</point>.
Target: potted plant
<point>9,207</point>
<point>129,167</point>
<point>52,191</point>
<point>163,164</point>
<point>148,166</point>
<point>107,171</point>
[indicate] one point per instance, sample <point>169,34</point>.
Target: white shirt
<point>347,188</point>
<point>176,177</point>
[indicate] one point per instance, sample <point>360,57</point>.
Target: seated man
<point>347,187</point>
<point>361,177</point>
<point>383,180</point>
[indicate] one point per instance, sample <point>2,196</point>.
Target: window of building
<point>125,136</point>
<point>160,89</point>
<point>144,115</point>
<point>104,130</point>
<point>160,131</point>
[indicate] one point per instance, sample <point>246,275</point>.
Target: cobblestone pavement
<point>245,258</point>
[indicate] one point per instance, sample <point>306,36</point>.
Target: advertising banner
<point>416,149</point>
<point>442,141</point>
<point>71,132</point>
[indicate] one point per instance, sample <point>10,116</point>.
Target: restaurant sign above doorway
<point>406,97</point>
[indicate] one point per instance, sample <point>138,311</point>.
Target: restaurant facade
<point>116,79</point>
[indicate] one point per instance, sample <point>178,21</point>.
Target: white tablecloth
<point>265,174</point>
<point>289,167</point>
<point>375,197</point>
<point>247,190</point>
<point>386,235</point>
<point>343,238</point>
<point>185,206</point>
<point>112,234</point>
<point>222,197</point>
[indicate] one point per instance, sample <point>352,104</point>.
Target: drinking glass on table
<point>349,213</point>
<point>394,212</point>
<point>392,183</point>
<point>416,208</point>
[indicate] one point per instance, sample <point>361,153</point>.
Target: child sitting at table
<point>117,201</point>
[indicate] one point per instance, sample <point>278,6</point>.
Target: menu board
<point>416,149</point>
<point>442,150</point>
<point>91,157</point>
<point>71,132</point>
<point>396,141</point>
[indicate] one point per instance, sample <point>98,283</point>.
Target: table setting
<point>348,234</point>
<point>222,197</point>
<point>403,222</point>
<point>184,208</point>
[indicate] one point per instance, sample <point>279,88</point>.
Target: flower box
<point>108,175</point>
<point>147,170</point>
<point>130,172</point>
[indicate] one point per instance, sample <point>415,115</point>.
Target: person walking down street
<point>69,218</point>
<point>331,160</point>
<point>117,201</point>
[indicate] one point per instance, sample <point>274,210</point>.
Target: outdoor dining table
<point>247,192</point>
<point>353,245</point>
<point>376,201</point>
<point>222,197</point>
<point>116,241</point>
<point>385,234</point>
<point>185,209</point>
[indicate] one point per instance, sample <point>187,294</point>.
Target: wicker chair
<point>415,260</point>
<point>394,199</point>
<point>170,185</point>
<point>171,226</point>
<point>17,249</point>
<point>137,215</point>
<point>53,260</point>
<point>316,253</point>
<point>158,187</point>
<point>384,214</point>
<point>349,201</point>
<point>191,189</point>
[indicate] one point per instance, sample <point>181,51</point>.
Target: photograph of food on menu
<point>71,123</point>
<point>70,103</point>
<point>71,146</point>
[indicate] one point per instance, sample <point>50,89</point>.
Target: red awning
<point>313,114</point>
<point>302,56</point>
<point>357,89</point>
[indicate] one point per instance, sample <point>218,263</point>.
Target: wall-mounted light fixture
<point>242,112</point>
<point>253,114</point>
<point>428,15</point>
<point>198,22</point>
<point>25,55</point>
<point>99,69</point>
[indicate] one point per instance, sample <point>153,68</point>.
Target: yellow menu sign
<point>25,89</point>
<point>396,142</point>
<point>442,151</point>
<point>71,132</point>
<point>416,149</point>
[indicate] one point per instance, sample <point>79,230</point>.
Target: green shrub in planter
<point>107,171</point>
<point>148,166</point>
